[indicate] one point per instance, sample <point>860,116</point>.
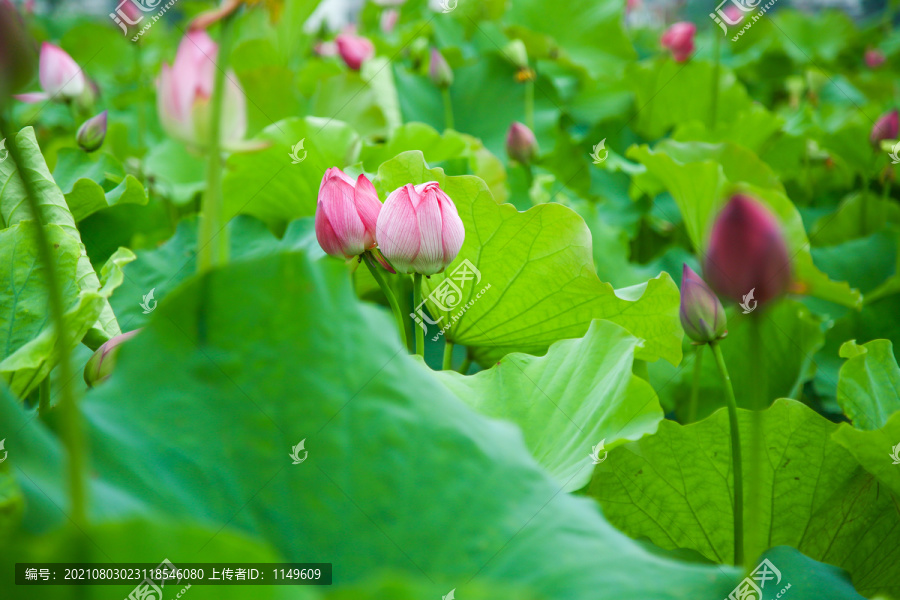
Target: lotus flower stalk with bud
<point>521,145</point>
<point>100,366</point>
<point>679,40</point>
<point>354,49</point>
<point>92,132</point>
<point>886,127</point>
<point>702,315</point>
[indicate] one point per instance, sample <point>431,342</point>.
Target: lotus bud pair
<point>417,229</point>
<point>185,89</point>
<point>679,40</point>
<point>101,364</point>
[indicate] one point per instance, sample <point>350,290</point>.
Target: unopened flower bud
<point>702,315</point>
<point>346,213</point>
<point>886,128</point>
<point>419,229</point>
<point>92,132</point>
<point>521,145</point>
<point>354,49</point>
<point>439,71</point>
<point>517,54</point>
<point>874,58</point>
<point>101,364</point>
<point>747,253</point>
<point>679,40</point>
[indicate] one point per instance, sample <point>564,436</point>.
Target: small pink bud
<point>702,315</point>
<point>184,90</point>
<point>521,145</point>
<point>92,132</point>
<point>60,76</point>
<point>747,252</point>
<point>346,213</point>
<point>419,229</point>
<point>886,127</point>
<point>679,39</point>
<point>101,364</point>
<point>354,49</point>
<point>874,58</point>
<point>439,71</point>
<point>389,20</point>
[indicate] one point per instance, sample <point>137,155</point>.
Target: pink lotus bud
<point>346,214</point>
<point>419,230</point>
<point>183,93</point>
<point>886,127</point>
<point>389,19</point>
<point>521,144</point>
<point>702,315</point>
<point>439,71</point>
<point>747,253</point>
<point>92,132</point>
<point>874,58</point>
<point>101,364</point>
<point>18,60</point>
<point>354,49</point>
<point>60,76</point>
<point>679,39</point>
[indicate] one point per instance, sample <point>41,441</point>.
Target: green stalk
<point>375,270</point>
<point>44,403</point>
<point>529,103</point>
<point>402,285</point>
<point>760,398</point>
<point>448,355</point>
<point>417,300</point>
<point>736,463</point>
<point>448,108</point>
<point>212,242</point>
<point>715,85</point>
<point>467,362</point>
<point>864,209</point>
<point>72,433</point>
<point>695,386</point>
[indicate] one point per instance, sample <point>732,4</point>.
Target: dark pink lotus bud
<point>886,127</point>
<point>346,213</point>
<point>101,364</point>
<point>354,49</point>
<point>419,229</point>
<point>521,145</point>
<point>747,257</point>
<point>18,60</point>
<point>702,315</point>
<point>679,39</point>
<point>92,132</point>
<point>439,71</point>
<point>874,58</point>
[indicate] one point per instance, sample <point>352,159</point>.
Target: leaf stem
<point>467,362</point>
<point>417,300</point>
<point>448,355</point>
<point>529,103</point>
<point>715,85</point>
<point>737,465</point>
<point>212,242</point>
<point>72,434</point>
<point>44,402</point>
<point>760,399</point>
<point>695,385</point>
<point>375,270</point>
<point>448,108</point>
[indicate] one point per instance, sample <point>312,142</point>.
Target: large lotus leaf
<point>700,176</point>
<point>578,38</point>
<point>270,186</point>
<point>580,394</point>
<point>163,269</point>
<point>877,450</point>
<point>14,208</point>
<point>176,172</point>
<point>91,184</point>
<point>234,369</point>
<point>675,487</point>
<point>540,270</point>
<point>869,386</point>
<point>27,338</point>
<point>668,93</point>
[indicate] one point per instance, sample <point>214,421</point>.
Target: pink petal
<point>325,233</point>
<point>32,97</point>
<point>58,73</point>
<point>397,231</point>
<point>368,206</point>
<point>337,201</point>
<point>428,213</point>
<point>453,232</point>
